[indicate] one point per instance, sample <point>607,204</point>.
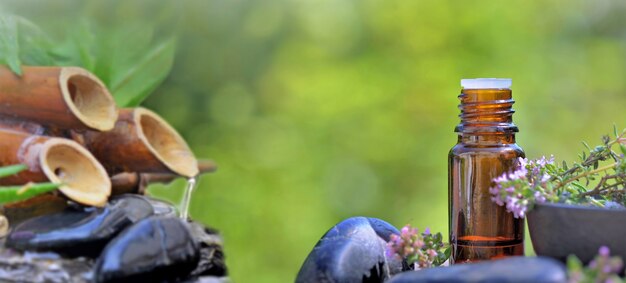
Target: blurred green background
<point>320,110</point>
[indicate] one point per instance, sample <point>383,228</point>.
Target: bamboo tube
<point>124,183</point>
<point>56,160</point>
<point>21,126</point>
<point>142,141</point>
<point>64,97</point>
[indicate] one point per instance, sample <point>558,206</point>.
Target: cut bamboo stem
<point>56,160</point>
<point>123,183</point>
<point>64,97</point>
<point>142,141</point>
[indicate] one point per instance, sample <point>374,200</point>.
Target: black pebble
<point>156,249</point>
<point>79,231</point>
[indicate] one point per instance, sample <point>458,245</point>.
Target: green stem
<point>595,202</point>
<point>17,193</point>
<point>599,169</point>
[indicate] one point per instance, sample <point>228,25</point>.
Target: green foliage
<point>143,77</point>
<point>127,58</point>
<point>11,170</point>
<point>9,46</point>
<point>603,268</point>
<point>17,193</point>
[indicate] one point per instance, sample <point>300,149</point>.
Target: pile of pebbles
<point>132,238</point>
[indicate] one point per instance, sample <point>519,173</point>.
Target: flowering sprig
<point>602,269</point>
<point>542,180</point>
<point>521,189</point>
<point>421,250</point>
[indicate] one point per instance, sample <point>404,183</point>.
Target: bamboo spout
<point>63,97</point>
<point>123,183</point>
<point>142,141</point>
<point>56,160</point>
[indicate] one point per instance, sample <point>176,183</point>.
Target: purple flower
<point>523,187</point>
<point>418,249</point>
<point>604,251</point>
<point>404,231</point>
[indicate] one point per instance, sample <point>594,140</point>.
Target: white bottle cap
<point>486,83</point>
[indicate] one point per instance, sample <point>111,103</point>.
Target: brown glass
<point>486,148</point>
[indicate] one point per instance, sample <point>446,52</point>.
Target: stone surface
<point>352,251</point>
<point>49,267</point>
<point>79,231</point>
<point>510,270</point>
<point>212,260</point>
<point>155,249</point>
<point>161,207</point>
<point>42,267</point>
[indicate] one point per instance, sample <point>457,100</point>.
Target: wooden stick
<point>56,160</point>
<point>63,97</point>
<point>137,182</point>
<point>142,141</point>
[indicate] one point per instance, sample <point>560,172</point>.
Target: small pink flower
<point>604,251</point>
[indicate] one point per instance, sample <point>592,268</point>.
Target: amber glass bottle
<point>480,229</point>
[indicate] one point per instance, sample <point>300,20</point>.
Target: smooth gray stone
<point>352,251</point>
<point>510,270</point>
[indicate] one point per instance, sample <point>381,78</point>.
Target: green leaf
<point>573,263</point>
<point>11,170</point>
<point>140,80</point>
<point>622,147</point>
<point>437,237</point>
<point>579,187</point>
<point>18,193</point>
<point>84,40</point>
<point>134,40</point>
<point>34,44</point>
<point>587,146</point>
<point>9,46</point>
<point>447,253</point>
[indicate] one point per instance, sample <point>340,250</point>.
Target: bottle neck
<point>486,116</point>
<point>486,139</point>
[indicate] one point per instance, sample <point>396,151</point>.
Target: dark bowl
<point>558,230</point>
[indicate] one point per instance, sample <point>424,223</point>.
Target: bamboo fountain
<point>64,126</point>
<point>63,123</point>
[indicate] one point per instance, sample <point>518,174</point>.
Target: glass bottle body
<point>486,148</point>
